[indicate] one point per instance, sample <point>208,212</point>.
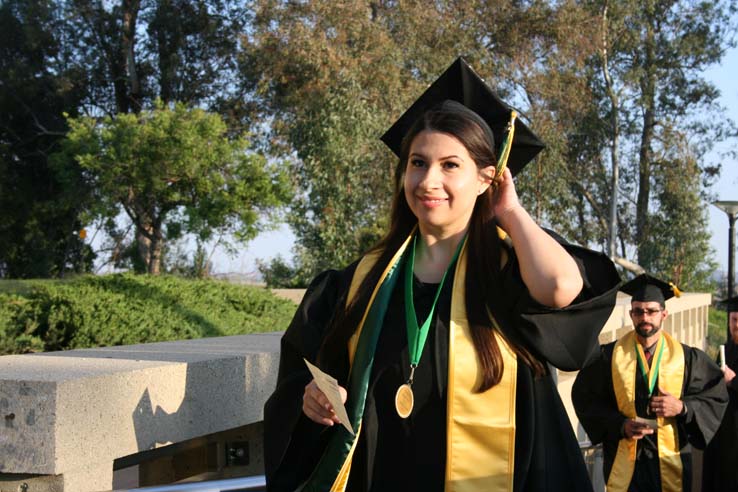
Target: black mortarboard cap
<point>462,84</point>
<point>646,288</point>
<point>730,304</point>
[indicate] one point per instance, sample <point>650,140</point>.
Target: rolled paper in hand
<point>722,357</point>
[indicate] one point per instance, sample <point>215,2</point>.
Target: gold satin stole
<point>671,377</point>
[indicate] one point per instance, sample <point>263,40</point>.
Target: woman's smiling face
<point>442,183</point>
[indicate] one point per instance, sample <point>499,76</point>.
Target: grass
<point>716,331</point>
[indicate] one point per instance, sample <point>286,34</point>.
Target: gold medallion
<point>404,401</point>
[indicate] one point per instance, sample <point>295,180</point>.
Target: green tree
<point>39,224</point>
<point>174,171</point>
<point>339,211</point>
<point>96,57</point>
<point>673,250</point>
<point>563,187</point>
<point>649,73</point>
<point>308,63</point>
<point>139,51</point>
<point>279,273</point>
<point>332,76</point>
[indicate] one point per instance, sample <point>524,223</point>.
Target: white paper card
<point>329,386</point>
<point>652,423</point>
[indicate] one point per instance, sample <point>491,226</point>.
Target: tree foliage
<point>330,86</point>
<point>174,171</point>
<point>615,87</point>
<point>39,223</point>
<point>139,51</point>
<point>662,117</point>
<point>96,58</point>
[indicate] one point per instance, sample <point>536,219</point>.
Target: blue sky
<point>725,76</point>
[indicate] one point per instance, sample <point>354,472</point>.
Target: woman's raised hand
<point>506,198</point>
<point>316,407</point>
<point>549,272</point>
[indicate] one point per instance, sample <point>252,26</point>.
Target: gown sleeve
<point>731,360</point>
<point>733,385</point>
<point>705,395</point>
<point>288,434</point>
<point>566,337</point>
<point>594,400</point>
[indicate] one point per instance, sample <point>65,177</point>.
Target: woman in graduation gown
<point>441,336</point>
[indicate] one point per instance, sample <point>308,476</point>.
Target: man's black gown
<point>397,454</point>
<point>720,461</point>
<point>703,392</point>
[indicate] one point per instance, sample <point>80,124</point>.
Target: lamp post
<point>730,208</point>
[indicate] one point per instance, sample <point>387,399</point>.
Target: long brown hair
<point>484,248</point>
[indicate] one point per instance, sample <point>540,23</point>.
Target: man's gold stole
<point>670,378</point>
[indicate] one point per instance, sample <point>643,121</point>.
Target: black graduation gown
<point>596,406</point>
<point>396,454</point>
<point>720,461</point>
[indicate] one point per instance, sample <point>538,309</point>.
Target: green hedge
<point>716,330</point>
<point>122,309</point>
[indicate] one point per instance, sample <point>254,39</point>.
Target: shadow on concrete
<point>203,409</point>
<point>223,392</point>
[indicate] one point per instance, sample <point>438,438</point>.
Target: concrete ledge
<point>66,412</point>
<point>66,416</point>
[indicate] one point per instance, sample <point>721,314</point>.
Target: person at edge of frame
<point>720,461</point>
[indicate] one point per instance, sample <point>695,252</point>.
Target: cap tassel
<point>675,290</point>
<point>506,145</point>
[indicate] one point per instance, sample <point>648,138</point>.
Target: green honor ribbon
<point>338,449</point>
<point>416,335</point>
<point>650,374</point>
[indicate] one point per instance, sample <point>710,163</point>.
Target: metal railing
<point>592,454</point>
<point>244,484</point>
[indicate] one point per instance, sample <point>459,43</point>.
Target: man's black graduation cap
<point>646,288</point>
<point>730,304</point>
<point>462,84</point>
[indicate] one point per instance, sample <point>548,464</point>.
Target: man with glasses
<point>649,398</point>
